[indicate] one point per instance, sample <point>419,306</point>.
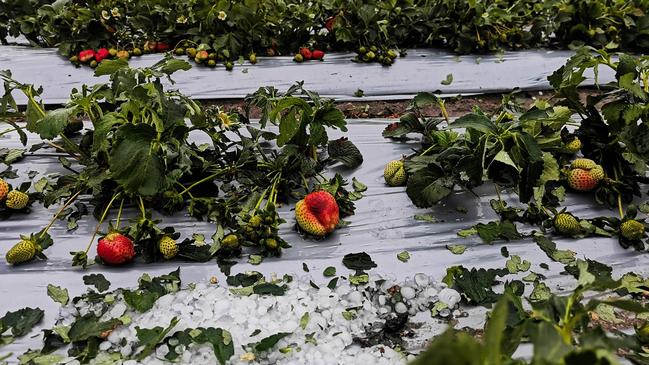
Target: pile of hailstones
<point>335,318</point>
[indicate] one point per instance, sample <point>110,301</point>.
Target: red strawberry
<point>317,213</point>
<point>162,47</point>
<point>115,249</point>
<point>101,54</point>
<point>306,53</point>
<point>582,180</point>
<point>317,54</point>
<point>86,55</point>
<point>329,23</point>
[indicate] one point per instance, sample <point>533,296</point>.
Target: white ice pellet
<point>421,280</point>
<point>400,308</point>
<point>104,346</point>
<point>450,297</point>
<point>355,298</point>
<point>407,292</point>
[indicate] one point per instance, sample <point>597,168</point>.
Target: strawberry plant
<point>531,152</point>
<point>138,152</point>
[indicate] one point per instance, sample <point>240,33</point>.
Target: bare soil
<point>455,106</point>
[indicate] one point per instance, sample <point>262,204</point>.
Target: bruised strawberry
<point>123,55</point>
<point>115,249</point>
<point>162,47</point>
<point>566,223</point>
<point>306,53</point>
<point>17,200</point>
<point>101,54</point>
<point>86,55</point>
<point>582,180</point>
<point>317,55</point>
<point>150,46</point>
<point>329,23</point>
<point>202,55</point>
<point>317,213</point>
<point>583,163</point>
<point>632,229</point>
<point>23,251</point>
<point>4,189</point>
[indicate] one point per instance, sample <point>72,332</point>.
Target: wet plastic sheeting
<point>336,76</point>
<point>382,226</point>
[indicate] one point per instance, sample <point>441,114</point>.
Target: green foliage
<point>283,27</point>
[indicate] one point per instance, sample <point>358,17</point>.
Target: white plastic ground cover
<point>336,76</point>
<point>383,226</point>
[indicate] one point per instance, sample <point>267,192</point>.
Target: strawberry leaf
<point>133,162</point>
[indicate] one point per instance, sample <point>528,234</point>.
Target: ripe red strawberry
<point>161,47</point>
<point>317,54</point>
<point>306,53</point>
<point>582,180</point>
<point>86,55</point>
<point>101,54</point>
<point>115,249</point>
<point>317,213</point>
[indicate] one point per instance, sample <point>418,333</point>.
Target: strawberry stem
<point>119,214</point>
<point>142,207</point>
<point>101,221</point>
<point>619,196</point>
<point>201,181</point>
<point>67,204</point>
<point>261,199</point>
<point>8,131</point>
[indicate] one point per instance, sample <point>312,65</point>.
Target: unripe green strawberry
<point>643,333</point>
<point>271,243</point>
<point>252,58</point>
<point>17,200</point>
<point>581,180</point>
<point>230,241</point>
<point>298,58</point>
<point>4,189</point>
<point>394,173</point>
<point>23,251</point>
<point>229,65</point>
<point>574,145</point>
<point>583,163</point>
<point>632,230</point>
<point>565,223</point>
<point>255,221</point>
<point>168,247</point>
<point>597,173</point>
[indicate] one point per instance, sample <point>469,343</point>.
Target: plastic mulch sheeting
<point>383,226</point>
<point>336,76</point>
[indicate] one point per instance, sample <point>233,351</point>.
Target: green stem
<point>142,207</point>
<point>8,131</point>
<point>619,196</point>
<point>101,221</point>
<point>119,214</point>
<point>261,199</point>
<point>306,184</point>
<point>67,204</point>
<point>500,199</point>
<point>201,181</point>
<point>427,150</point>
